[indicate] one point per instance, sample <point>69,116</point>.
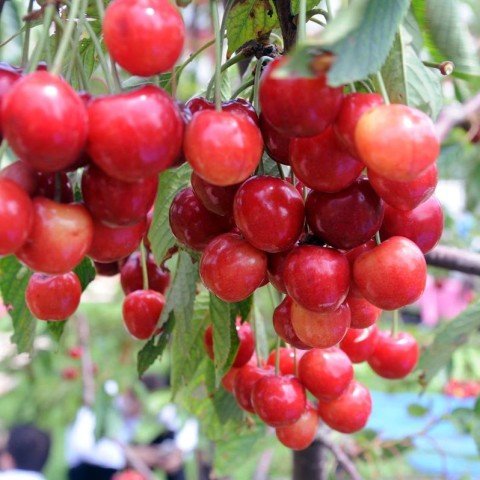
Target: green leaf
<point>86,272</point>
<point>160,234</point>
<point>449,337</point>
<point>417,410</point>
<point>87,54</point>
<point>56,329</point>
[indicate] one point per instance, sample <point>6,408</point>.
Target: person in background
<point>25,454</point>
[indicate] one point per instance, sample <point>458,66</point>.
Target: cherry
<point>275,267</point>
<point>115,202</point>
<point>325,373</point>
<point>359,344</point>
<point>192,224</point>
<point>216,199</point>
<point>321,330</point>
<point>60,237</point>
<point>322,164</point>
<point>131,276</point>
<point>70,373</point>
<point>246,378</point>
<point>300,435</point>
<point>395,356</point>
<point>8,76</point>
<point>44,121</point>
<point>136,134</point>
<point>145,37</point>
<point>107,269</point>
<point>141,312</point>
<point>286,360</point>
<point>47,187</point>
<point>16,216</point>
<point>53,297</point>
<point>246,343</point>
<point>348,413</point>
<point>279,400</point>
<point>405,195</point>
<point>75,352</point>
<point>363,314</point>
<point>391,275</point>
<point>276,144</point>
<point>353,107</point>
<point>348,218</point>
<point>269,212</point>
<point>298,106</point>
<point>396,141</point>
<point>110,244</point>
<point>23,175</point>
<point>317,278</point>
<point>223,148</point>
<point>228,380</point>
<point>282,323</point>
<point>354,253</point>
<point>128,475</point>
<point>423,225</point>
<point>238,106</point>
<point>231,268</point>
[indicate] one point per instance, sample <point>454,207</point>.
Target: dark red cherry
<point>48,187</point>
<point>269,212</point>
<point>136,134</point>
<point>359,344</point>
<point>282,323</point>
<point>276,144</point>
<point>23,175</point>
<point>246,378</point>
<point>275,267</point>
<point>8,76</point>
<point>107,269</point>
<point>286,360</point>
<point>301,434</point>
<point>348,218</point>
<point>362,313</point>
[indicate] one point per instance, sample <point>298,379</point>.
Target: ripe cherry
<point>276,144</point>
<point>53,297</point>
<point>8,76</point>
<point>325,373</point>
<point>362,313</point>
<point>192,224</point>
<point>298,106</point>
<point>286,360</point>
<point>238,106</point>
<point>223,148</point>
<point>423,225</point>
<point>317,278</point>
<point>246,378</point>
<point>348,218</point>
<point>115,202</point>
<point>128,475</point>
<point>136,134</point>
<point>141,312</point>
<point>348,413</point>
<point>282,323</point>
<point>49,130</point>
<point>110,244</point>
<point>275,267</point>
<point>107,269</point>
<point>75,352</point>
<point>391,275</point>
<point>359,344</point>
<point>70,373</point>
<point>395,356</point>
<point>55,186</point>
<point>321,330</point>
<point>269,212</point>
<point>60,237</point>
<point>228,380</point>
<point>16,216</point>
<point>145,37</point>
<point>231,268</point>
<point>405,195</point>
<point>321,163</point>
<point>23,175</point>
<point>300,435</point>
<point>396,141</point>
<point>279,400</point>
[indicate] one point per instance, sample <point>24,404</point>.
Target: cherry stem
<point>256,80</point>
<point>353,88</point>
<point>318,22</point>
<point>253,324</point>
<point>329,11</point>
<point>243,87</point>
<point>277,356</point>
<point>232,61</point>
<point>3,149</point>
<point>12,37</point>
<point>445,68</point>
<point>301,22</point>
<point>100,9</point>
<point>378,240</point>
<point>280,171</point>
<point>26,41</point>
<point>143,259</point>
<point>173,79</point>
<point>395,322</point>
<point>218,55</point>
<point>115,76</point>
<point>383,89</point>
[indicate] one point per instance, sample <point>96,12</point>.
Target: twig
<point>287,25</point>
<point>341,457</point>
<point>452,258</point>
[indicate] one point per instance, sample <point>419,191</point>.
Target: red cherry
<point>270,213</point>
<point>107,269</point>
<point>216,199</point>
<point>282,323</point>
<point>391,275</point>
<point>60,237</point>
<point>363,314</point>
<point>223,148</point>
<point>349,413</point>
<point>192,224</point>
<point>145,37</point>
<point>276,144</point>
<point>321,330</point>
<point>394,357</point>
<point>228,380</point>
<point>348,218</point>
<point>16,216</point>
<point>128,475</point>
<point>115,202</point>
<point>359,344</point>
<point>354,253</point>
<point>353,107</point>
<point>44,121</point>
<point>322,164</point>
<point>238,106</point>
<point>231,268</point>
<point>70,373</point>
<point>246,378</point>
<point>53,297</point>
<point>136,134</point>
<point>246,343</point>
<point>141,312</point>
<point>275,267</point>
<point>298,106</point>
<point>286,360</point>
<point>75,352</point>
<point>300,435</point>
<point>325,373</point>
<point>131,276</point>
<point>396,141</point>
<point>405,195</point>
<point>111,244</point>
<point>8,76</point>
<point>317,278</point>
<point>23,175</point>
<point>47,187</point>
<point>279,400</point>
<point>423,225</point>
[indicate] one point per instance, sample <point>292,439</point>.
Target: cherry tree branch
<point>341,457</point>
<point>287,25</point>
<point>452,258</point>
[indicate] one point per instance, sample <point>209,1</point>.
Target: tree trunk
<point>309,464</point>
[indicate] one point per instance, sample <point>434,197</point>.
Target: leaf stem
<point>382,87</point>
<point>218,54</point>
<point>143,259</point>
<point>277,356</point>
<point>26,41</point>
